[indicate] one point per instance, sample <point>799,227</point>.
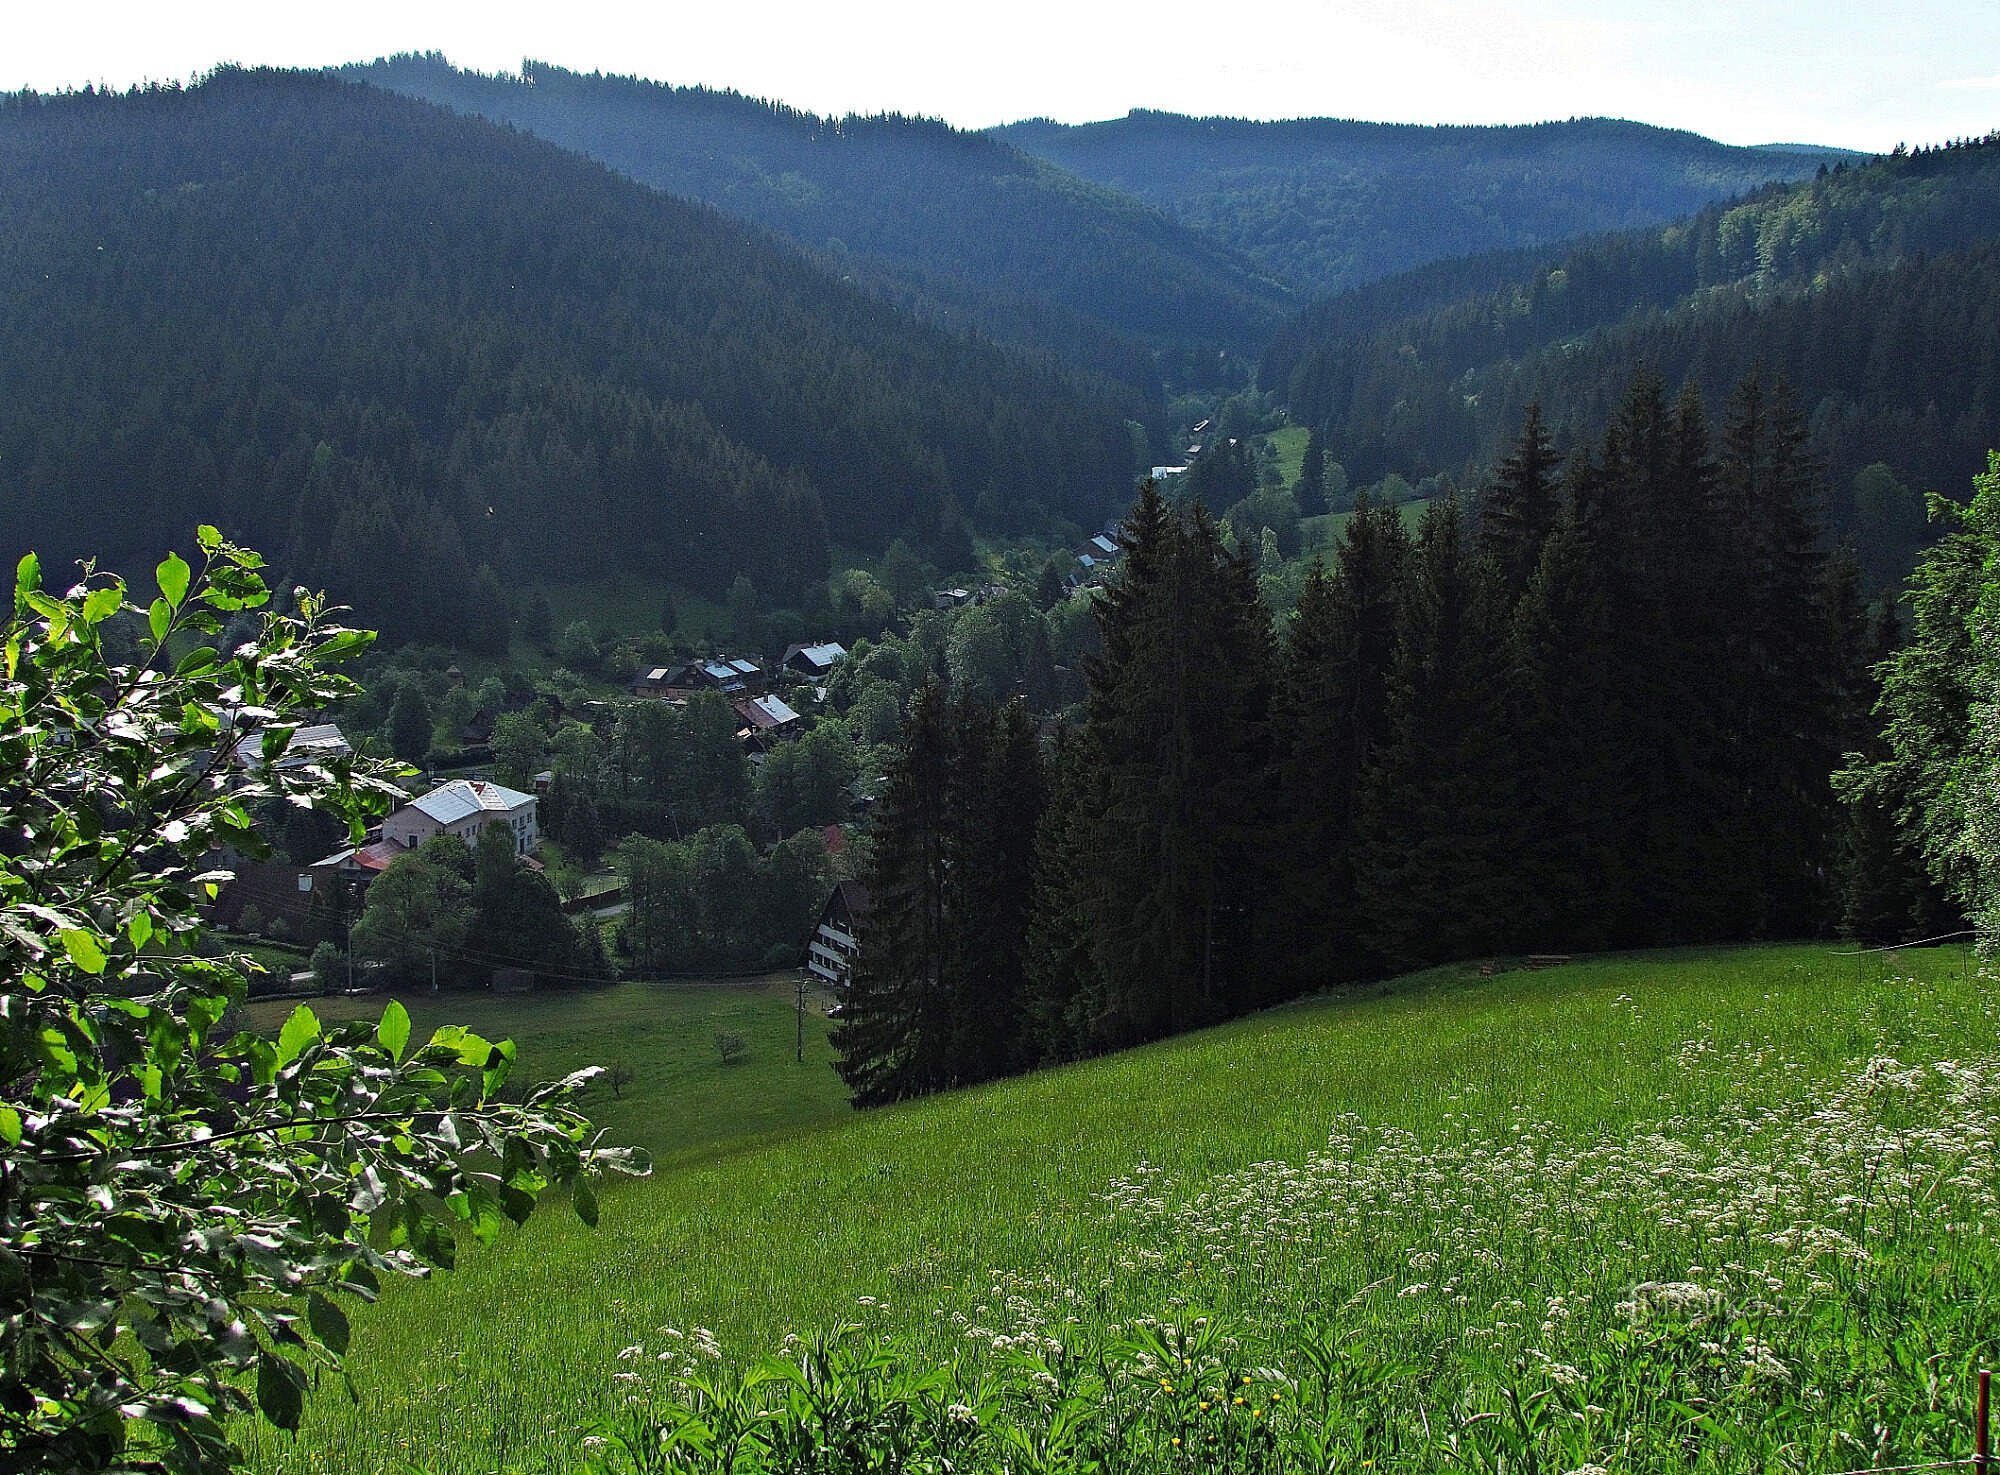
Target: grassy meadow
<point>1724,1209</point>
<point>684,1101</point>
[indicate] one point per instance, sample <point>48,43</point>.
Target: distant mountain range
<point>1325,203</point>
<point>1108,241</point>
<point>959,225</point>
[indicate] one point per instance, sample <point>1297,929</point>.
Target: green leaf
<point>209,537</point>
<point>140,928</point>
<point>393,1033</point>
<point>329,1323</point>
<point>27,578</point>
<point>83,950</point>
<point>299,1031</point>
<point>100,605</point>
<point>173,578</point>
<point>197,661</point>
<point>158,617</point>
<point>497,1065</point>
<point>10,1126</point>
<point>278,1391</point>
<point>584,1200</point>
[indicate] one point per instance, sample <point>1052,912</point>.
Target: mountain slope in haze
<point>390,345</point>
<point>1327,203</point>
<point>984,233</point>
<point>1873,291</point>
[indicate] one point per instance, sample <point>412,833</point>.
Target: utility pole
<point>802,1017</point>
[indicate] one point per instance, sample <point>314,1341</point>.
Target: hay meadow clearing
<point>1728,1210</point>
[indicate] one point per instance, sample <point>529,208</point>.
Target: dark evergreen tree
<point>1328,722</point>
<point>1520,505</point>
<point>1573,772</point>
<point>1311,489</point>
<point>937,995</point>
<point>1178,706</point>
<point>895,1034</point>
<point>1432,854</point>
<point>1065,1001</point>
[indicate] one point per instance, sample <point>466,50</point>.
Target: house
<point>320,742</point>
<point>731,675</point>
<point>830,953</point>
<point>1199,426</point>
<point>765,717</point>
<point>814,660</point>
<point>1162,473</point>
<point>465,808</point>
<point>658,682</point>
<point>361,864</point>
<point>951,598</point>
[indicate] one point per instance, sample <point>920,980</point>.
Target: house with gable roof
<point>465,808</point>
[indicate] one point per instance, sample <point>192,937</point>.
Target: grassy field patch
<point>1464,1183</point>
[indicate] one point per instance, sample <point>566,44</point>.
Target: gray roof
<point>824,654</point>
<point>452,802</point>
<point>309,744</point>
<point>775,713</point>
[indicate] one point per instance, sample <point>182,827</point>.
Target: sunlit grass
<point>1072,1203</point>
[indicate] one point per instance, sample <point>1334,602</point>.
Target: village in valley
<point>304,913</point>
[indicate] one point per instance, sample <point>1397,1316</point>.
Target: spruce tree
<point>1178,707</point>
<point>1329,715</point>
<point>1065,993</point>
<point>1786,669</point>
<point>1572,770</point>
<point>894,1031</point>
<point>1432,858</point>
<point>1520,505</point>
<point>1311,489</point>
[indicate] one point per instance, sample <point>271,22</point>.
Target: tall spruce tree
<point>1065,998</point>
<point>1519,508</point>
<point>1311,488</point>
<point>1433,864</point>
<point>1787,668</point>
<point>997,796</point>
<point>937,994</point>
<point>1178,707</point>
<point>1329,718</point>
<point>1573,774</point>
<point>895,1034</point>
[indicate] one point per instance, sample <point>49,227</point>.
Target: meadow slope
<point>1699,1164</point>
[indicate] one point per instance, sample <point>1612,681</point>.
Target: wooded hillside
<point>1327,203</point>
<point>397,347</point>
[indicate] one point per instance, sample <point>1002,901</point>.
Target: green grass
<point>1324,530</point>
<point>1289,447</point>
<point>1492,1144</point>
<point>626,604</point>
<point>683,1103</point>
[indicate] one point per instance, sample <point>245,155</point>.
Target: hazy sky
<point>1745,71</point>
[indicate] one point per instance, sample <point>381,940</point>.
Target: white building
<point>465,808</point>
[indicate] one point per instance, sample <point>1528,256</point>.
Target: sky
<point>1744,71</point>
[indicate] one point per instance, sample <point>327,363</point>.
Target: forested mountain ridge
<point>393,345</point>
<point>960,223</point>
<point>1327,203</point>
<point>1871,290</point>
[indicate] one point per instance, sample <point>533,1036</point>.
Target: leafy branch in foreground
<point>183,1208</point>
